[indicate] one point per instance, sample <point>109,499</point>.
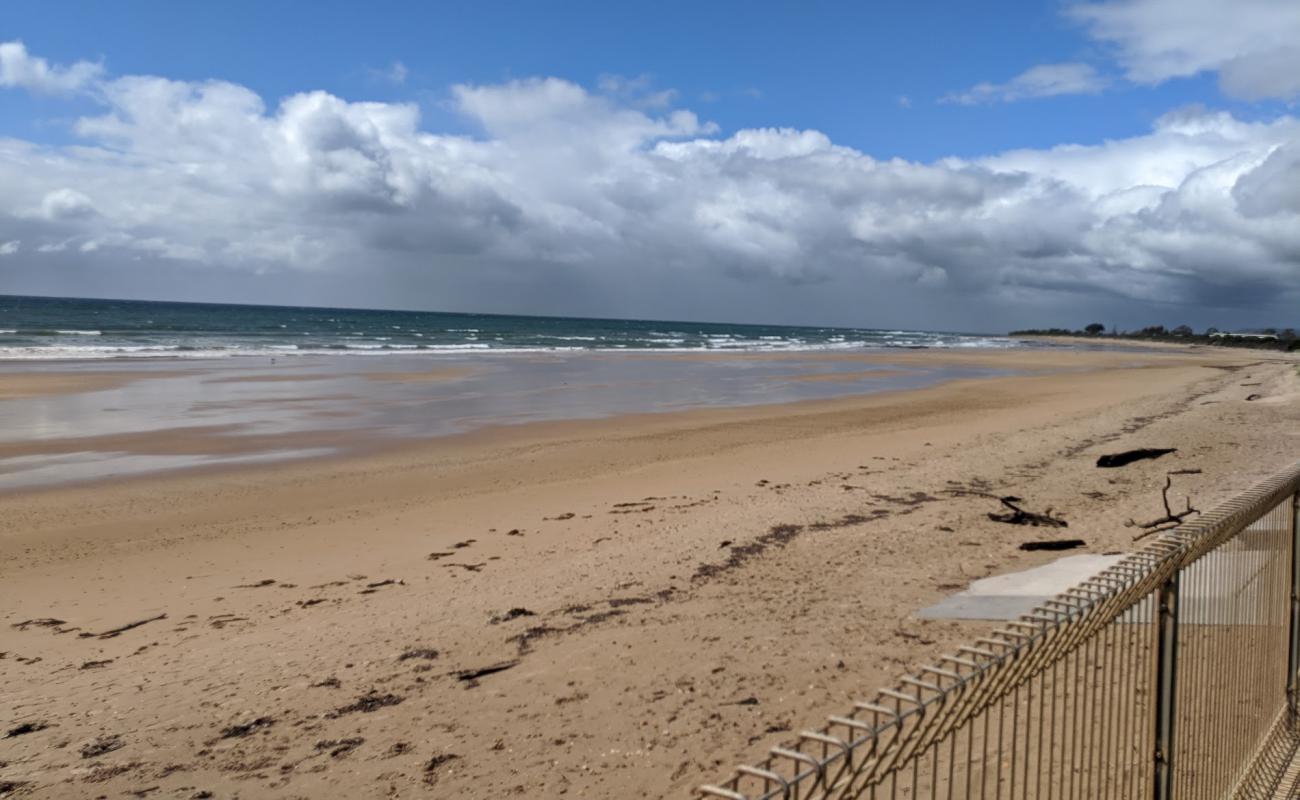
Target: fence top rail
<point>925,706</point>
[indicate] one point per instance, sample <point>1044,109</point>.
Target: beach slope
<point>605,608</point>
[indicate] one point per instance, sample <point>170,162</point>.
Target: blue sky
<point>945,165</point>
<point>840,68</point>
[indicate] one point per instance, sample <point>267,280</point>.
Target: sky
<point>951,166</point>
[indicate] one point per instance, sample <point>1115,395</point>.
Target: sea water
<point>63,328</point>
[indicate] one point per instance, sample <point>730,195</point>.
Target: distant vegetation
<point>1265,338</point>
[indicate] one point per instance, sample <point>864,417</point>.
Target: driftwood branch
<point>115,632</point>
<point>1170,520</point>
<point>1018,515</point>
<point>470,676</point>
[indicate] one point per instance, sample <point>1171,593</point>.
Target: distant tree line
<point>1267,338</point>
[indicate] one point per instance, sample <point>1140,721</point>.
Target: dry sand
<point>664,595</point>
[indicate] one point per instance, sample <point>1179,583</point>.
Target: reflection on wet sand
<point>97,422</point>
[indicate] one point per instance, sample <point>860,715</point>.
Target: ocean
<point>37,328</point>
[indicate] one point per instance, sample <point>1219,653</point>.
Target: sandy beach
<point>615,607</point>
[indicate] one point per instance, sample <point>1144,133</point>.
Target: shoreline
<point>283,413</point>
<point>376,454</point>
<point>641,575</point>
<point>289,357</point>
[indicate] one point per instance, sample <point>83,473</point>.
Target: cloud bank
<point>568,200</point>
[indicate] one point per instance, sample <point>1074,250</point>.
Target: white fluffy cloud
<point>1044,80</point>
<point>1254,45</point>
<point>20,69</point>
<point>567,201</point>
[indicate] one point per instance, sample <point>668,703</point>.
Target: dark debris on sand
<point>367,703</point>
<point>26,728</point>
<point>618,602</point>
<point>780,535</point>
<point>43,622</point>
<point>431,768</point>
<point>777,536</point>
<point>426,653</point>
<point>514,613</point>
<point>240,731</point>
<point>340,747</point>
<point>102,745</point>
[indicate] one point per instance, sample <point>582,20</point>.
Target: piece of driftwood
<point>1112,460</point>
<point>1170,520</point>
<point>1057,544</point>
<point>115,632</point>
<point>1018,515</point>
<point>471,676</point>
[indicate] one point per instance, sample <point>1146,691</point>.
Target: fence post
<point>1293,652</point>
<point>1166,686</point>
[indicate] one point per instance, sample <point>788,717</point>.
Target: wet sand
<point>650,598</point>
<point>96,423</point>
<point>65,422</point>
<point>44,384</point>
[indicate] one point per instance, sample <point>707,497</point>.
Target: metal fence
<point>1171,674</point>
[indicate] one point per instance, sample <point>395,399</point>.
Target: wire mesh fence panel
<point>1078,727</point>
<point>1233,643</point>
<point>1168,675</point>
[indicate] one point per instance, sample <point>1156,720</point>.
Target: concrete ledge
<point>1004,597</point>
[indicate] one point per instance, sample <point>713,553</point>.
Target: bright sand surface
<point>656,622</point>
